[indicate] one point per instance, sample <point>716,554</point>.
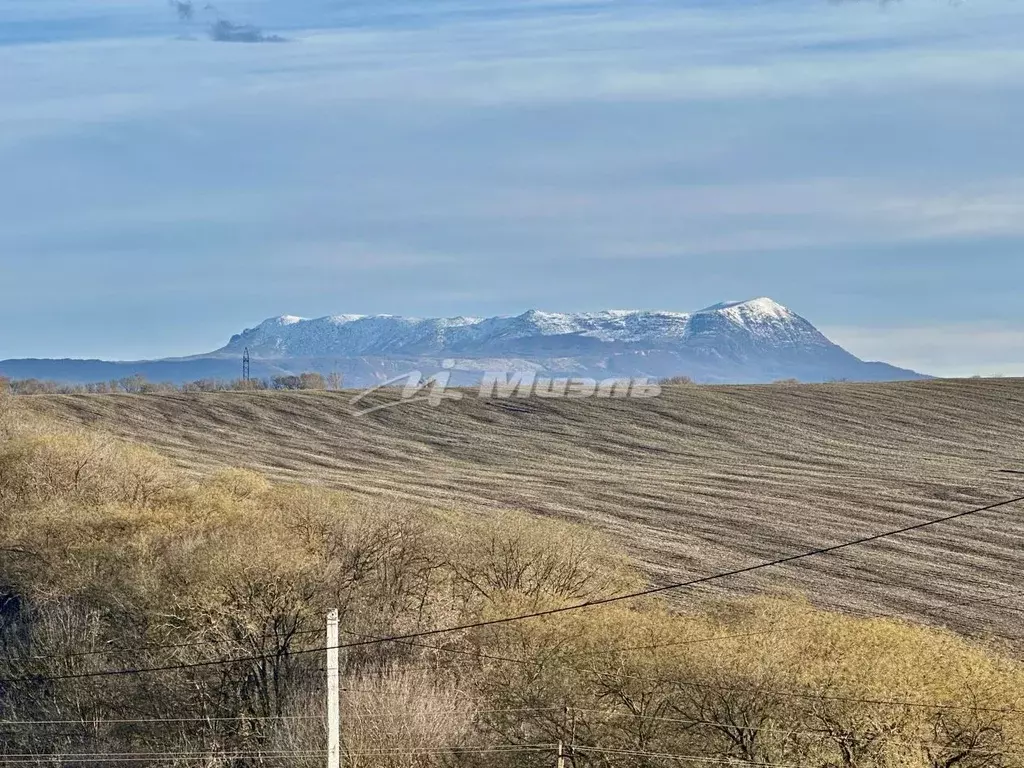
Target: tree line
<point>138,384</point>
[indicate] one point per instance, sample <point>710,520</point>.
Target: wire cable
<point>817,552</point>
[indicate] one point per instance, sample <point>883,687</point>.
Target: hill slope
<point>698,480</point>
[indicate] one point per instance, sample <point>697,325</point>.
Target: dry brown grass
<point>699,480</point>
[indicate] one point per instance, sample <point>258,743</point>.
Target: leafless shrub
<point>510,553</point>
<point>390,719</point>
<point>78,466</point>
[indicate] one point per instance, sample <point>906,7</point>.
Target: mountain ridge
<point>750,341</point>
<point>289,335</point>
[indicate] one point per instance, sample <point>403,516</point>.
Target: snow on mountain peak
<point>354,335</point>
<point>340,319</point>
<point>766,307</point>
<point>762,307</point>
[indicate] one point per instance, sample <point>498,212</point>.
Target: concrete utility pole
<point>572,738</point>
<point>333,693</point>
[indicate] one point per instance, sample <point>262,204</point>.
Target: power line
<point>657,646</point>
<point>777,630</point>
<point>459,651</point>
<point>129,757</point>
<point>477,654</point>
<point>161,646</point>
<point>692,583</point>
<point>545,613</point>
<point>142,720</point>
<point>203,643</point>
<point>367,716</point>
<point>536,662</point>
<point>628,649</point>
<point>272,752</point>
<point>784,694</point>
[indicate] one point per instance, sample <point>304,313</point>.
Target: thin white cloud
<point>669,55</point>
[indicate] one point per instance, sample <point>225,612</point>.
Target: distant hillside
<point>735,342</point>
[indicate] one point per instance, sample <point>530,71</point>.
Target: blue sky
<point>859,162</point>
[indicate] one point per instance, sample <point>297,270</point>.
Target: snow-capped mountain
<point>743,341</point>
<point>760,321</point>
<point>739,341</point>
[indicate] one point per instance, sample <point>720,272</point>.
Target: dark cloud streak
<point>223,30</point>
<point>184,8</point>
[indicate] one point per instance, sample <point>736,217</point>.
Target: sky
<point>859,162</point>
